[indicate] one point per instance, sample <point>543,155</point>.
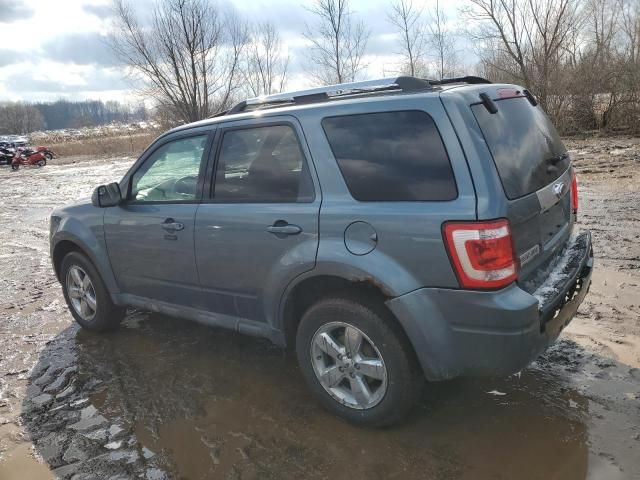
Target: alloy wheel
<point>348,365</point>
<point>81,293</point>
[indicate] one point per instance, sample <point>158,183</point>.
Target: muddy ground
<point>164,398</point>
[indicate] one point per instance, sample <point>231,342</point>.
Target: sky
<point>51,49</point>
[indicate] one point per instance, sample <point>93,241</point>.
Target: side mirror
<point>106,195</point>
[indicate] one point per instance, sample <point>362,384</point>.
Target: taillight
<point>574,193</point>
<point>481,253</point>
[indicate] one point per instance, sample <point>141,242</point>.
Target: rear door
<point>534,169</point>
<point>259,227</point>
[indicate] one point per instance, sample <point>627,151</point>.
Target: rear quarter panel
<point>410,252</point>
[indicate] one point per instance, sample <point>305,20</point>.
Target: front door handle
<point>282,228</point>
<point>170,225</point>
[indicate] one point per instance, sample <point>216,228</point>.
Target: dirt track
<point>164,398</point>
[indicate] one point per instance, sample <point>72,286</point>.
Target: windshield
<point>525,145</point>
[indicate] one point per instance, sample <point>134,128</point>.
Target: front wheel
<point>87,297</point>
<point>15,166</point>
<point>357,361</point>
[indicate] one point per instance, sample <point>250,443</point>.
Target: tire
<point>14,167</point>
<point>48,156</point>
<point>106,316</point>
<point>42,163</point>
<point>397,374</point>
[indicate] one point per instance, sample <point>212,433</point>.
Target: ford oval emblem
<point>558,189</point>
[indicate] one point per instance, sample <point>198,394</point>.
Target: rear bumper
<point>461,332</point>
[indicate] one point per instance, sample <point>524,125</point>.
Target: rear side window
<point>525,145</point>
<point>262,165</point>
<point>391,156</point>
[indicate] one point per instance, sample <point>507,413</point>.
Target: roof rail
<point>321,94</point>
<point>468,79</point>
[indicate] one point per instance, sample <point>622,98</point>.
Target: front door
<point>150,235</point>
<point>259,227</point>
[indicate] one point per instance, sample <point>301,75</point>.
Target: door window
<point>262,165</point>
<point>170,174</point>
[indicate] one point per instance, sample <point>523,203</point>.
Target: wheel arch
<point>66,242</point>
<point>304,293</point>
<point>61,250</point>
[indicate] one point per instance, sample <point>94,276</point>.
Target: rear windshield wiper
<point>557,158</point>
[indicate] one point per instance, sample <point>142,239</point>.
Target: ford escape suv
<point>388,230</point>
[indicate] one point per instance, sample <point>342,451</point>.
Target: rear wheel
<point>42,163</point>
<point>87,297</point>
<point>357,361</point>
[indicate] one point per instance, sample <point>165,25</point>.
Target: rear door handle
<point>170,225</point>
<point>283,228</point>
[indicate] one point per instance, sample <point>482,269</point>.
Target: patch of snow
<point>496,393</point>
<point>559,270</point>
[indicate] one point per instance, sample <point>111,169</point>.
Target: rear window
<point>525,145</point>
<point>391,156</point>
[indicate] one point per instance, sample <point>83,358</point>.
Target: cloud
<point>81,49</point>
<point>91,79</point>
<point>387,44</point>
<point>100,11</point>
<point>11,10</point>
<point>7,57</point>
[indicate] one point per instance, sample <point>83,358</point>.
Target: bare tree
<point>407,19</point>
<point>188,57</point>
<point>265,67</point>
<point>19,118</point>
<point>338,43</point>
<point>442,41</point>
<point>630,13</point>
<point>525,40</point>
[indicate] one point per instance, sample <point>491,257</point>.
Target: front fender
<point>88,237</point>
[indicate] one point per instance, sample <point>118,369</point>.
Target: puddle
<point>197,402</point>
<point>20,464</point>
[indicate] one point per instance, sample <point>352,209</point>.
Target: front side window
<point>170,174</point>
<point>262,165</point>
<point>391,156</point>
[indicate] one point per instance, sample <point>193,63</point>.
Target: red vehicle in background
<point>29,157</point>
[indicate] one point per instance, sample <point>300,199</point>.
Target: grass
<point>124,145</point>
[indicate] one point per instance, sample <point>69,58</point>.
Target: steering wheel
<point>185,185</point>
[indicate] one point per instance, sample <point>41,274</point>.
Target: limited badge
<point>527,256</point>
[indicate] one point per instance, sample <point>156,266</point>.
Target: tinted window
<point>524,144</point>
<point>170,174</point>
<point>263,164</point>
<point>391,156</point>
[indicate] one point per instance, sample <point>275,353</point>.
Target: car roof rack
<point>471,79</point>
<point>322,94</point>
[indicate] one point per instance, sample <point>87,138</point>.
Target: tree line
<point>22,117</point>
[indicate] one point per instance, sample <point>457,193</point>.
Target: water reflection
<point>213,403</point>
